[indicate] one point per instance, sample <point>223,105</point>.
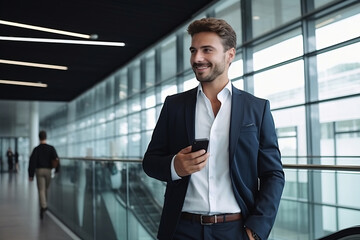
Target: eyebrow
<point>206,46</point>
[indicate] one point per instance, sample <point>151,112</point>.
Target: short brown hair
<point>42,135</point>
<point>218,26</point>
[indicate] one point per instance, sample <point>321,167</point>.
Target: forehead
<point>206,39</point>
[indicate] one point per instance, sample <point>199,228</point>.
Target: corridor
<point>19,211</point>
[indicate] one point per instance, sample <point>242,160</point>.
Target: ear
<point>231,54</point>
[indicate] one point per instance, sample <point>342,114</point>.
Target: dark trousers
<point>191,230</point>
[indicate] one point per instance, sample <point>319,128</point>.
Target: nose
<point>197,56</point>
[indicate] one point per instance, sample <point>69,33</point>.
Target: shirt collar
<point>228,87</point>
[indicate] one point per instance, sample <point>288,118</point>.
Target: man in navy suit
<point>232,189</point>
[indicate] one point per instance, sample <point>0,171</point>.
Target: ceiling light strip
<point>30,64</point>
<point>43,29</point>
<point>28,84</point>
<point>47,40</point>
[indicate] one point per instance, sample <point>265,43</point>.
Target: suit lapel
<point>190,105</point>
<point>237,111</point>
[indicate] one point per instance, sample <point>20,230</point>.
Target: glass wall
<point>301,55</point>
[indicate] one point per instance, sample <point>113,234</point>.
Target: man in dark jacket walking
<point>41,163</point>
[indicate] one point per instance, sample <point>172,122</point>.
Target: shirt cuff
<point>174,175</point>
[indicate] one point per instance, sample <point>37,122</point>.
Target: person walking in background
<point>232,189</point>
<point>41,164</point>
<point>10,156</point>
<point>16,156</point>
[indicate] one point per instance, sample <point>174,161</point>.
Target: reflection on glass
<point>239,84</point>
<point>342,141</point>
<point>135,77</point>
<point>283,85</point>
<point>150,99</point>
<point>270,14</point>
<point>121,109</point>
<point>236,69</point>
<point>338,27</point>
<point>191,83</point>
<point>291,131</point>
<point>230,11</point>
<point>134,104</point>
<point>278,50</point>
<point>168,58</point>
<point>339,72</point>
<point>168,89</point>
<point>122,82</point>
<point>150,69</point>
<point>134,122</point>
<point>150,119</point>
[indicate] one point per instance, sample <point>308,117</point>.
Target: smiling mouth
<point>201,66</point>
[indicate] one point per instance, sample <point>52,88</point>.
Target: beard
<point>215,71</point>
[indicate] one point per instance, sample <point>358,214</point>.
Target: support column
<point>33,126</point>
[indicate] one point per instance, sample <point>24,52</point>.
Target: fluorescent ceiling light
<point>50,30</point>
<point>28,84</point>
<point>48,40</point>
<point>30,64</point>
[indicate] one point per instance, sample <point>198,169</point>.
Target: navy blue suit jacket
<point>255,167</point>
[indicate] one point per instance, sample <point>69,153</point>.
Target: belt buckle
<point>202,222</point>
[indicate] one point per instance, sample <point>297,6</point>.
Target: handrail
<point>104,159</point>
<point>286,166</point>
<point>323,167</point>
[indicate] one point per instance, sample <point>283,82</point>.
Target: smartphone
<point>200,144</point>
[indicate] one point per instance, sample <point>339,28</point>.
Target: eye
<point>207,50</point>
<point>192,50</point>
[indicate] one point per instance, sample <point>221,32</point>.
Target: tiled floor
<point>19,211</point>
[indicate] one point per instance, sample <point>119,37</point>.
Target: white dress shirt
<point>210,190</point>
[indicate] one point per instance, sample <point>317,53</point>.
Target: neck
<point>212,89</point>
<point>43,141</point>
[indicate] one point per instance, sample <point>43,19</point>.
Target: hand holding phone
<point>199,144</point>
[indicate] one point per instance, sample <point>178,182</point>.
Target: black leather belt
<point>211,219</point>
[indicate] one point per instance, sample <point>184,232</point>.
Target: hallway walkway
<point>19,211</point>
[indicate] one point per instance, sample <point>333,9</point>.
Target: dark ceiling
<point>138,23</point>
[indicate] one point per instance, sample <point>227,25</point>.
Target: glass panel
<point>121,126</point>
<point>167,89</point>
<point>270,14</point>
<point>190,84</point>
<point>135,81</point>
<point>319,3</point>
<point>285,47</point>
<point>283,85</point>
<point>338,27</point>
<point>236,68</point>
<point>134,145</point>
<point>187,55</point>
<point>121,109</point>
<point>334,143</point>
<point>231,13</point>
<point>134,122</point>
<point>291,130</point>
<point>339,72</point>
<point>122,81</point>
<point>150,69</point>
<point>134,104</point>
<point>109,91</point>
<point>168,59</point>
<point>100,96</point>
<point>150,98</point>
<point>150,119</point>
<point>122,144</point>
<point>239,84</point>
